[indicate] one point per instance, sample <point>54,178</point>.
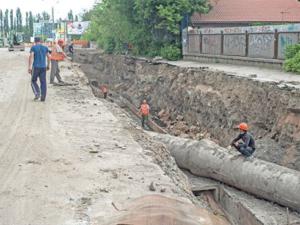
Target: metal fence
<point>267,45</point>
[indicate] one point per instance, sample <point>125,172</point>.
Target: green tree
<point>152,27</point>
<point>30,22</point>
<point>19,23</point>
<point>87,15</point>
<point>70,16</point>
<point>38,18</point>
<point>6,22</point>
<point>11,19</point>
<point>45,16</point>
<point>27,21</point>
<point>1,22</point>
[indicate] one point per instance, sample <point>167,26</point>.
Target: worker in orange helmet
<point>247,146</point>
<point>144,112</point>
<point>57,55</point>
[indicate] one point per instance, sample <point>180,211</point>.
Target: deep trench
<point>200,103</point>
<point>219,200</point>
<point>131,80</point>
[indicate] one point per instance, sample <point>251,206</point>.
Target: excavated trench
<point>200,103</point>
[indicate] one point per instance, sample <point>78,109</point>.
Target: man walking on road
<point>37,68</point>
<point>57,54</point>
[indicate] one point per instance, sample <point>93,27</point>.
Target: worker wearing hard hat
<point>57,54</point>
<point>144,112</point>
<point>247,146</point>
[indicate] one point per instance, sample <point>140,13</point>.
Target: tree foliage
<point>70,16</point>
<point>292,62</point>
<point>45,16</point>
<point>11,15</point>
<point>19,24</point>
<point>1,21</point>
<point>150,26</point>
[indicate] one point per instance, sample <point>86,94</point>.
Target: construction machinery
<point>16,41</point>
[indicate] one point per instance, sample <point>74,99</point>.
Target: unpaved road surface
<point>65,161</point>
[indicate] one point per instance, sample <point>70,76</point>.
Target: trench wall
<point>212,101</point>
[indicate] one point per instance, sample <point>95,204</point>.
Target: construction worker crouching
<point>144,112</point>
<point>247,147</point>
<point>57,54</point>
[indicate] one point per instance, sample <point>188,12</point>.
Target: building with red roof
<point>248,12</point>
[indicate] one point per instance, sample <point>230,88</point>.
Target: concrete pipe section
<point>263,179</point>
<point>157,209</point>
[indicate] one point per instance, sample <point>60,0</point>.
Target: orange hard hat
<point>243,126</point>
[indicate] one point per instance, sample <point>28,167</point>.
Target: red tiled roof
<point>225,11</point>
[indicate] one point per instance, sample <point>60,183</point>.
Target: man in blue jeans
<point>37,67</point>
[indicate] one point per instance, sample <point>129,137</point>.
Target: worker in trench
<point>104,90</point>
<point>144,112</point>
<point>247,146</point>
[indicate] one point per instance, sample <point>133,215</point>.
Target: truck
<point>16,41</point>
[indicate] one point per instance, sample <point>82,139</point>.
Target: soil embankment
<point>200,102</point>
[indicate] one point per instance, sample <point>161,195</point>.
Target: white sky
<point>61,7</point>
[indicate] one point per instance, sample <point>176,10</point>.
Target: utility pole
<point>52,23</point>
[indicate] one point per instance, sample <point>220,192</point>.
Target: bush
<point>291,51</point>
<point>293,64</point>
<point>171,52</point>
<point>109,45</point>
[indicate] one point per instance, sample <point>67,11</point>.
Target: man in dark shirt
<point>37,68</point>
<point>247,147</point>
<point>71,50</point>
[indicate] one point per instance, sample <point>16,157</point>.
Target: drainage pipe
<point>263,179</point>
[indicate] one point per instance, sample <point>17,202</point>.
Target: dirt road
<point>64,162</point>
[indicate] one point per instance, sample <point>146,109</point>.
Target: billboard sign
<point>44,29</point>
<point>77,28</point>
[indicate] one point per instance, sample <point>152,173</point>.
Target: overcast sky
<point>61,7</point>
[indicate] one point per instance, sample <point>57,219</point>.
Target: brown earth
<point>200,102</point>
<point>67,160</point>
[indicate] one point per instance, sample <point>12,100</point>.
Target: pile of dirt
<point>198,103</point>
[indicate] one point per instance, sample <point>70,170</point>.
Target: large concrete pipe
<point>160,210</point>
<point>263,179</point>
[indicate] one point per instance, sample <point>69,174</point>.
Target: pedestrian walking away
<point>144,112</point>
<point>37,67</point>
<point>247,146</point>
<point>57,54</point>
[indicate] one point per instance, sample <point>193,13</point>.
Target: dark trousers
<point>39,73</point>
<point>144,120</point>
<point>246,151</point>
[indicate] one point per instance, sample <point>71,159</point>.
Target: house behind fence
<point>228,31</point>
